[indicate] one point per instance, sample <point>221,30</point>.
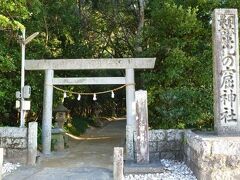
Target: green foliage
<point>176,32</point>
<point>77,125</point>
<point>8,83</point>
<point>10,14</point>
<point>180,87</point>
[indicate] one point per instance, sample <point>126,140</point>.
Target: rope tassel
<point>79,97</point>
<point>94,97</point>
<point>64,94</point>
<point>112,95</point>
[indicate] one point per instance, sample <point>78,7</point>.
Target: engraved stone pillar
<point>118,163</point>
<point>142,145</point>
<point>226,71</point>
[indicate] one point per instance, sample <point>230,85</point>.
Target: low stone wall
<point>17,143</point>
<point>208,155</point>
<point>211,156</point>
<point>14,142</point>
<point>166,144</point>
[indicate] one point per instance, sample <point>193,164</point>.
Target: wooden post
<point>1,163</point>
<point>118,163</point>
<point>131,113</point>
<point>32,143</point>
<point>47,112</point>
<point>142,144</point>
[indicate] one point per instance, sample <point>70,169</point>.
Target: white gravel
<point>9,167</point>
<point>174,171</point>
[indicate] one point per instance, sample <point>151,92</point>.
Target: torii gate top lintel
<point>87,64</point>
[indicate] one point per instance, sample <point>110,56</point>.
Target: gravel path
<point>174,171</point>
<point>9,167</point>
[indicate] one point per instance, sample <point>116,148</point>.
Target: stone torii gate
<point>129,64</point>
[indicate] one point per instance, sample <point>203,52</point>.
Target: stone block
<point>227,174</point>
<point>233,161</point>
<point>202,146</point>
<point>171,133</point>
<point>193,155</point>
<point>57,142</point>
<point>151,168</point>
<point>174,134</point>
<point>179,135</point>
<point>211,156</point>
<point>157,135</point>
<point>215,162</point>
<point>186,153</point>
<point>153,146</point>
<point>16,155</point>
<point>202,175</point>
<point>66,141</point>
<point>226,146</point>
<point>13,132</point>
<point>167,155</point>
<point>162,146</point>
<point>154,156</point>
<point>178,146</point>
<point>169,146</point>
<point>179,155</point>
<point>14,143</point>
<point>194,169</point>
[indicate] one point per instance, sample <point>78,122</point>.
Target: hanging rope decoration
<point>79,94</point>
<point>79,97</point>
<point>64,94</point>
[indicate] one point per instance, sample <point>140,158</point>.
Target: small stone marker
<point>142,146</point>
<point>32,143</point>
<point>118,163</point>
<point>1,163</point>
<point>226,71</point>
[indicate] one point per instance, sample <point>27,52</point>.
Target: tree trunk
<point>140,26</point>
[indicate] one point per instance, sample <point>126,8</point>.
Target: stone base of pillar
<point>227,130</point>
<point>58,141</point>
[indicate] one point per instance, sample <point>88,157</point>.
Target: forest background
<point>177,32</point>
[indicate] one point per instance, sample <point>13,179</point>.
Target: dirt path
<point>88,157</point>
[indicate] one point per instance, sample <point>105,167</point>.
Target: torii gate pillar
<point>47,112</point>
<point>131,113</point>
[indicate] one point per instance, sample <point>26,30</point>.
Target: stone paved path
<point>88,158</point>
